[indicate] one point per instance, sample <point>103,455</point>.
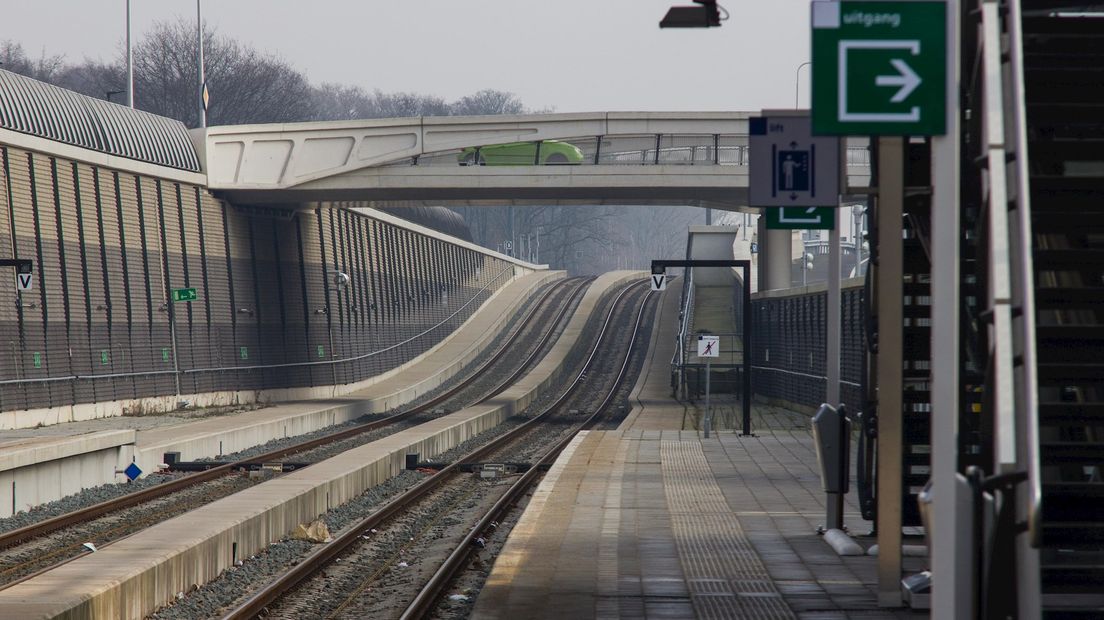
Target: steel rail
<point>423,603</point>
<point>15,537</point>
<point>258,603</point>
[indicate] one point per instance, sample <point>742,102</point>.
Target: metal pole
<point>891,193</point>
<point>746,339</point>
<point>130,60</point>
<point>951,565</point>
<point>199,63</point>
<point>797,81</point>
<point>708,413</point>
<point>833,331</point>
<point>172,334</point>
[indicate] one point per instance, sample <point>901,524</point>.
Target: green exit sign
<point>879,68</point>
<point>184,294</point>
<point>803,218</point>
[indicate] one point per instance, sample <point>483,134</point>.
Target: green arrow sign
<point>184,294</point>
<point>879,68</point>
<point>804,218</point>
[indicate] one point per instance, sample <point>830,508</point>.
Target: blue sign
<point>132,471</point>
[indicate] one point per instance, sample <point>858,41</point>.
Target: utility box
<point>832,435</point>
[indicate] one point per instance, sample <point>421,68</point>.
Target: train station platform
<point>653,521</point>
<point>666,524</point>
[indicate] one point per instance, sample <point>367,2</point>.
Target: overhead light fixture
<point>704,15</point>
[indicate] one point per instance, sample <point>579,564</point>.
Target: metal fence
<point>789,356</point>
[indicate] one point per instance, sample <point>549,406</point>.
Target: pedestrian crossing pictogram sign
<point>709,346</point>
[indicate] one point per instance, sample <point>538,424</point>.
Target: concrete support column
<point>779,244</point>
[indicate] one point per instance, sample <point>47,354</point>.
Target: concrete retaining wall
<point>33,472</point>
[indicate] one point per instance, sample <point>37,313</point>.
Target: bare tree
<point>487,101</point>
<point>245,85</point>
<point>14,58</point>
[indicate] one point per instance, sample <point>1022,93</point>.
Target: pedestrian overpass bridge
<point>668,158</point>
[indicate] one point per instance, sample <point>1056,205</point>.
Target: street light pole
<point>199,62</point>
<point>130,62</point>
<point>797,81</point>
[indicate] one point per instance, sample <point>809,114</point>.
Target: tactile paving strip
<point>725,576</point>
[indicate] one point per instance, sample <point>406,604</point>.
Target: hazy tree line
<point>245,85</point>
<point>585,239</point>
<point>249,86</point>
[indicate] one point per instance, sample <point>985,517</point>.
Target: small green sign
<point>164,354</point>
<point>37,358</point>
<point>244,352</point>
<point>104,358</point>
<point>184,294</point>
<point>803,218</point>
<point>879,68</point>
<point>321,351</point>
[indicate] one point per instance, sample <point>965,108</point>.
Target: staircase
<point>1063,66</point>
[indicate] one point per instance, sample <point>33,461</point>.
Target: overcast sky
<point>571,55</point>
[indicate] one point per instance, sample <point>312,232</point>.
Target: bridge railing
<point>619,150</point>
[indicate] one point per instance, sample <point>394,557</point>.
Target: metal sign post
<point>708,347</point>
<point>24,272</point>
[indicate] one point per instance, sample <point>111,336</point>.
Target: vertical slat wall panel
<point>202,332</point>
<point>53,360</point>
<point>160,349</point>
<point>299,314</point>
<point>171,261</point>
<point>337,296</point>
<point>314,282</point>
<point>328,299</point>
<point>191,317</point>
<point>136,349</point>
<point>94,281</point>
<point>28,336</point>
<point>340,264</point>
<point>270,302</point>
<point>217,294</point>
<point>364,290</point>
<point>181,275</point>
<point>242,285</point>
<point>11,395</point>
<point>286,247</point>
<point>121,312</point>
<point>74,291</point>
<point>259,313</point>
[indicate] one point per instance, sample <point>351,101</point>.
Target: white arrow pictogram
<point>906,79</point>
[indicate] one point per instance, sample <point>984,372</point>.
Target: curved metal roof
<point>40,109</point>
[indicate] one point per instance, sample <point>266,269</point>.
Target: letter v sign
<point>659,281</point>
<point>23,281</point>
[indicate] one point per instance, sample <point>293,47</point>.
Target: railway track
<point>45,545</point>
<point>332,581</point>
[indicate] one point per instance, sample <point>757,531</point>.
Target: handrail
<point>1026,276</point>
<point>1000,252</point>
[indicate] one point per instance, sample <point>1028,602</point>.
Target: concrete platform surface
<point>665,524</point>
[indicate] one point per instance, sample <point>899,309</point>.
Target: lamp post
<point>199,63</point>
<point>797,81</point>
<point>130,62</point>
